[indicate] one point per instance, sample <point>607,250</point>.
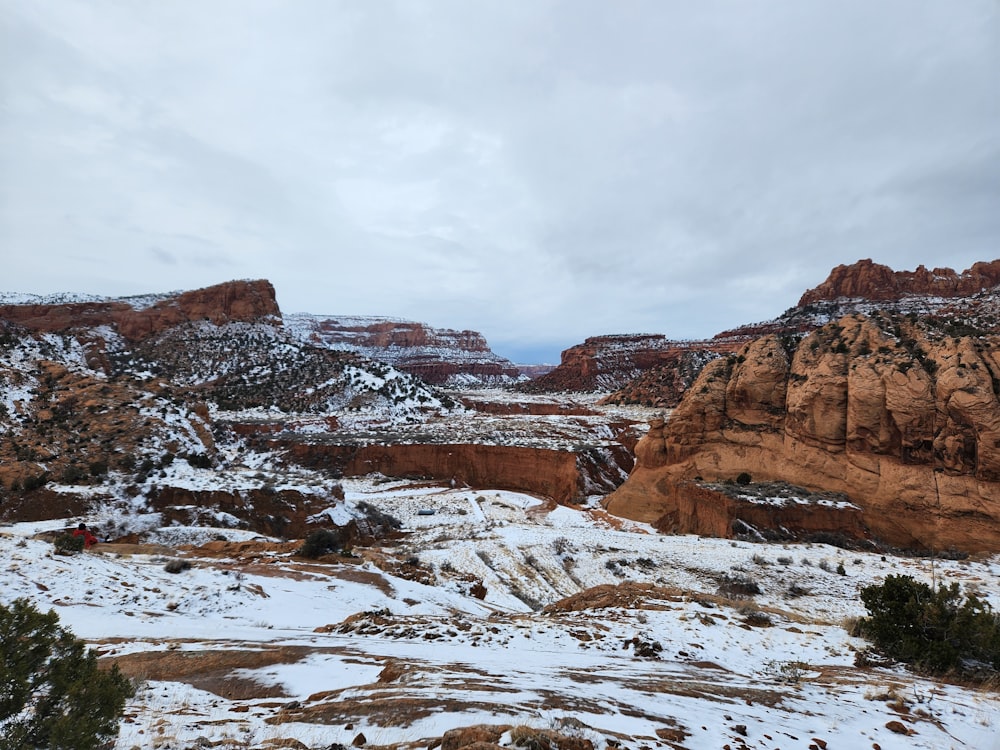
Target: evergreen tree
<point>52,693</point>
<point>932,629</point>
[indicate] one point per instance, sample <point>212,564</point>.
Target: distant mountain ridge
<point>439,356</point>
<point>140,317</point>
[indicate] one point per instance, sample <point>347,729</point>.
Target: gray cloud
<point>538,171</point>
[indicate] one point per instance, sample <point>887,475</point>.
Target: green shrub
<point>322,542</point>
<point>199,460</point>
<point>67,544</point>
<point>35,481</point>
<point>54,695</point>
<point>932,630</point>
<point>737,585</point>
<point>743,478</point>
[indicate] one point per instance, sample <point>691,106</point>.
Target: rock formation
<point>562,476</point>
<point>859,287</point>
<point>875,282</point>
<point>900,417</point>
<point>438,356</point>
<point>246,301</point>
<point>607,363</point>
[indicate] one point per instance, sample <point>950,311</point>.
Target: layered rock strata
<point>439,356</point>
<point>875,282</point>
<point>562,476</point>
<point>900,418</point>
<point>234,301</point>
<point>607,363</point>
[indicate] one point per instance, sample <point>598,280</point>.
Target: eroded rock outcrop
<point>436,355</point>
<point>874,281</point>
<point>562,476</point>
<point>608,363</point>
<point>962,302</point>
<point>233,301</point>
<point>900,418</point>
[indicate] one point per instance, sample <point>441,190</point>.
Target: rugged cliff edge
<point>873,281</point>
<point>607,363</point>
<point>899,414</point>
<point>654,371</point>
<point>439,356</point>
<point>138,318</point>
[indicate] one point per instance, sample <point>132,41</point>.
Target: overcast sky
<point>537,170</point>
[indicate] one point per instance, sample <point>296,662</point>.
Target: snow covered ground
<point>450,626</point>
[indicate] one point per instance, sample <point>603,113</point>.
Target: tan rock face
<point>902,420</point>
<point>755,393</point>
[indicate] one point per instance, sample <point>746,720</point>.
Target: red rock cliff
<point>612,362</point>
<point>873,281</point>
<point>436,355</point>
<point>232,301</point>
<point>901,419</point>
<point>549,473</point>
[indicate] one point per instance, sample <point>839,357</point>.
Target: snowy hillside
<point>486,612</point>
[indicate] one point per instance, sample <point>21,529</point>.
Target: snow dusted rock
<point>137,318</point>
<point>662,371</point>
<point>607,363</point>
<point>874,281</point>
<point>563,476</point>
<point>899,417</point>
<point>439,356</point>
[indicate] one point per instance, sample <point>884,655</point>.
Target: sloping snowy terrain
<point>453,625</point>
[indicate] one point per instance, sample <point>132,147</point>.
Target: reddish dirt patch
<point>210,670</point>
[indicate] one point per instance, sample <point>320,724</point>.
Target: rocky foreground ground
<point>525,622</point>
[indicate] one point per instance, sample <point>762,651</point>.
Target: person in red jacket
<point>89,540</point>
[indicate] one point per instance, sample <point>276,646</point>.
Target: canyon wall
<point>607,363</point>
<point>234,301</point>
<point>435,355</point>
<point>562,476</point>
<point>873,281</point>
<point>902,420</point>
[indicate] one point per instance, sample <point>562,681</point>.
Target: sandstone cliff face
<point>903,420</point>
<point>957,299</point>
<point>436,355</point>
<point>607,363</point>
<point>562,476</point>
<point>234,301</point>
<point>873,281</point>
